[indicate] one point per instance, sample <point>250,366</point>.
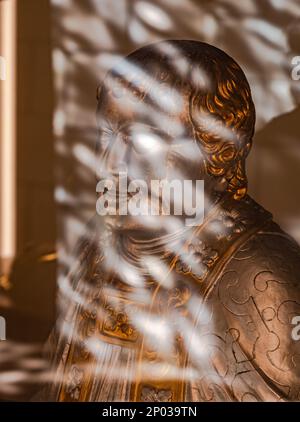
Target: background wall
<point>65,48</point>
<point>27,301</point>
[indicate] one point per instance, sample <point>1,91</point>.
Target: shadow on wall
<point>274,171</point>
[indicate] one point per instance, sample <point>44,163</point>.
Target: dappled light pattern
<point>148,304</point>
<point>91,36</point>
<point>141,314</point>
<point>23,369</point>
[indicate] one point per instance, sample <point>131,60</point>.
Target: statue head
<point>178,107</point>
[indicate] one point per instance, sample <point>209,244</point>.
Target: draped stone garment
<point>227,320</point>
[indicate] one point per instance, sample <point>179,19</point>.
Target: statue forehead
<point>156,78</point>
<point>136,92</point>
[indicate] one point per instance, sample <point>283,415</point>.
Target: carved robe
<point>221,332</point>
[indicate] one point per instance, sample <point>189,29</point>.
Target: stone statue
<point>156,310</point>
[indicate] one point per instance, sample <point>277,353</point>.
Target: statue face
<point>146,132</point>
<point>159,122</point>
<point>145,127</point>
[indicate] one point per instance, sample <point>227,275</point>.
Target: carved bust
<point>156,311</point>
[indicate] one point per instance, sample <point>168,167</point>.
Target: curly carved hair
<point>223,118</point>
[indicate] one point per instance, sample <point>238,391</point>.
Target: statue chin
<point>157,310</point>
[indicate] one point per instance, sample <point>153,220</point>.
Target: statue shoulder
<point>260,293</point>
<point>268,262</point>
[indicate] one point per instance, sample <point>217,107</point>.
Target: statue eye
<point>109,137</point>
<point>147,142</point>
